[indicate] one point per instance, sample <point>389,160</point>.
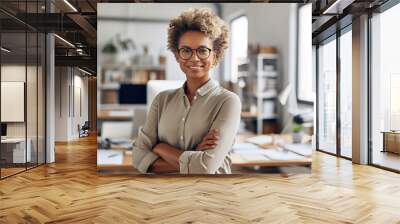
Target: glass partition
<point>385,89</point>
<point>346,93</point>
<point>327,96</point>
<point>22,77</point>
<point>14,153</point>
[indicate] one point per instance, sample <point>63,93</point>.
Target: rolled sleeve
<point>142,153</point>
<point>146,161</point>
<point>209,161</point>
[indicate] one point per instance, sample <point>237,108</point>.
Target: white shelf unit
<point>258,78</point>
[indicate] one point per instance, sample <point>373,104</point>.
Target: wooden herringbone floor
<point>70,191</point>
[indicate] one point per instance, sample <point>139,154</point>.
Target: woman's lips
<point>195,67</point>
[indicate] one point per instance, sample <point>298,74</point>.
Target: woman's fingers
<point>209,141</point>
<point>207,145</point>
<point>211,135</point>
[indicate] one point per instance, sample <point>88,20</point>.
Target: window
<point>346,93</point>
<point>22,75</point>
<point>327,96</point>
<point>238,44</point>
<point>335,75</point>
<point>305,81</point>
<point>385,88</point>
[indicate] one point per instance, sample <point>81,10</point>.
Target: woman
<point>191,129</point>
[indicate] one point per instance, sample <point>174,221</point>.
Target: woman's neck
<point>192,85</point>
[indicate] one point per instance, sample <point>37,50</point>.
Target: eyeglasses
<point>186,52</point>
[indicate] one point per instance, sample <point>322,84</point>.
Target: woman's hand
<point>209,141</point>
<point>168,153</point>
<point>157,148</point>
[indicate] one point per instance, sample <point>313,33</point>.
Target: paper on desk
<point>121,113</point>
<point>281,155</point>
<point>248,149</point>
<point>244,147</point>
<point>253,157</point>
<point>302,149</point>
<point>109,157</point>
<point>260,140</point>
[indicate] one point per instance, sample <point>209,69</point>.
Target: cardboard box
<point>259,49</point>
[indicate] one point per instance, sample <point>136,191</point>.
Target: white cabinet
<point>17,148</point>
<point>257,78</point>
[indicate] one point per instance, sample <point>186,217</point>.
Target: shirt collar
<point>204,89</point>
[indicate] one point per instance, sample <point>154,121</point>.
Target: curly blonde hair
<point>202,20</point>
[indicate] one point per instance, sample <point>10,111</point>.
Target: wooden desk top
<point>110,115</point>
<point>238,160</point>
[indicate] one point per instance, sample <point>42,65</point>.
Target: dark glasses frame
<point>197,52</point>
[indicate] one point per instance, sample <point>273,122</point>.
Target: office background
<point>260,65</point>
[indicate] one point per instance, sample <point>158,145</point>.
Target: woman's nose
<point>194,56</point>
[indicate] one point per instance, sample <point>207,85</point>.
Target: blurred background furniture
<point>84,129</point>
<point>391,141</point>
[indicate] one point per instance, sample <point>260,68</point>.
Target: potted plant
<point>109,53</point>
<point>297,134</point>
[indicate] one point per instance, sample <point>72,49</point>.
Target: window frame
<point>297,84</point>
<point>230,59</point>
<point>378,10</point>
<point>333,37</point>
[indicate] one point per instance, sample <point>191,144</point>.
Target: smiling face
<point>195,67</point>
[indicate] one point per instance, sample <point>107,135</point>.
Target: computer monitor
<point>3,129</point>
<point>132,94</point>
<point>154,87</point>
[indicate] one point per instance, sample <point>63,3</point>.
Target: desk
<point>13,150</point>
<point>115,160</point>
<point>275,157</point>
<point>391,141</point>
<point>115,115</point>
<point>274,152</point>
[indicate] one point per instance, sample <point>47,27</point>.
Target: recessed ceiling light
<point>337,7</point>
<point>70,5</point>
<point>84,71</point>
<point>64,40</point>
<point>5,50</point>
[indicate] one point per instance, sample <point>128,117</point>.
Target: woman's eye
<point>203,51</point>
<point>186,50</point>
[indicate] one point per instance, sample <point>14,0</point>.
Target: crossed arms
<point>150,155</point>
<point>169,156</point>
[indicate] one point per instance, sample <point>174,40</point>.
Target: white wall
<point>68,81</point>
<point>153,35</point>
<point>61,103</point>
<point>12,73</point>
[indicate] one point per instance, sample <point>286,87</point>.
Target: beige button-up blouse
<point>173,120</point>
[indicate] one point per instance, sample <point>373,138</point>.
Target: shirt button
<point>183,119</point>
<point>181,137</point>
